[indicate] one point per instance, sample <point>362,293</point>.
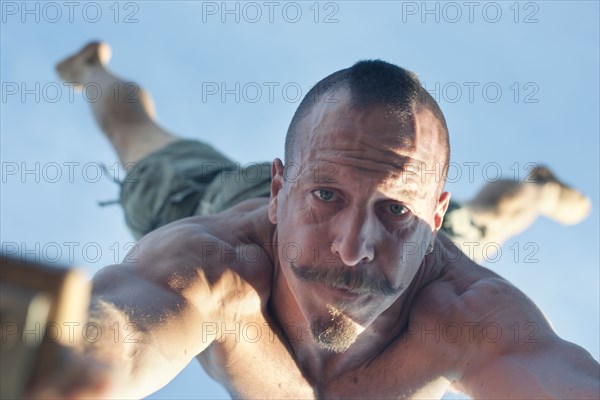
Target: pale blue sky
<point>532,67</point>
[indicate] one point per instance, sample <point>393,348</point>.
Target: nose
<point>354,239</point>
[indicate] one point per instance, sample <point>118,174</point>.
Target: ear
<point>276,185</point>
<point>440,211</point>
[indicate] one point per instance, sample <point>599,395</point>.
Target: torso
<point>253,359</point>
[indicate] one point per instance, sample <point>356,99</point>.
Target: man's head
<point>359,200</point>
<point>371,83</point>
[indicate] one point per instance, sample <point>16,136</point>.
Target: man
<point>336,285</point>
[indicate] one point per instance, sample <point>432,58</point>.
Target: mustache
<point>354,280</point>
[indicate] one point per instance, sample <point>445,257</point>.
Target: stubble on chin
<point>335,333</point>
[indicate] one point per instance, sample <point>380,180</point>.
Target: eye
<point>397,209</point>
<point>324,194</point>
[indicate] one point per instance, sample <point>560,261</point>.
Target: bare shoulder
<point>477,295</point>
<point>467,292</point>
<point>489,312</point>
<point>219,260</point>
<point>501,343</point>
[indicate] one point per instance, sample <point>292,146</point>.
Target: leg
<point>124,112</point>
<point>180,178</point>
<point>506,208</point>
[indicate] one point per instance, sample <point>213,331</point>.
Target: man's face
<point>357,209</point>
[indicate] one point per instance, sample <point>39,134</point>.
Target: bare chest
<point>252,360</point>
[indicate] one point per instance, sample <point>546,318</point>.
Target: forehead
<point>372,141</point>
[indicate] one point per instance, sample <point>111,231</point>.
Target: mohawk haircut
<point>372,83</point>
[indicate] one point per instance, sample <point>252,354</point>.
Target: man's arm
<point>522,357</point>
<point>147,316</point>
<point>554,370</point>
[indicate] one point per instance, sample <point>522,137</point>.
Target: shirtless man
<point>337,285</point>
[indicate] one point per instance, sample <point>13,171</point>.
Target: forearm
<point>98,363</point>
<point>115,341</point>
<point>565,371</point>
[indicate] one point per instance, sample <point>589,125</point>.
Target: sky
<point>518,83</point>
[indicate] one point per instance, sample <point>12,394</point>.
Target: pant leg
<point>230,187</point>
<point>168,184</point>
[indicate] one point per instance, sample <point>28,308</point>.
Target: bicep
<point>164,298</point>
<point>155,329</point>
<point>166,292</point>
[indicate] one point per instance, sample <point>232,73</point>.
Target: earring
<point>429,249</point>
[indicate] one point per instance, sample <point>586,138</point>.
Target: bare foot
<point>560,202</point>
<point>123,110</point>
<point>75,69</point>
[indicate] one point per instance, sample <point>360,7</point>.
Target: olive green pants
<point>187,178</point>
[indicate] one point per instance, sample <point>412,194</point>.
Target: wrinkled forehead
<point>373,138</point>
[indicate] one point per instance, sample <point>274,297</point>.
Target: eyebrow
<point>319,177</point>
<point>411,194</point>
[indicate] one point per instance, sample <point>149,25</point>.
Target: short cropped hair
<point>372,83</point>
